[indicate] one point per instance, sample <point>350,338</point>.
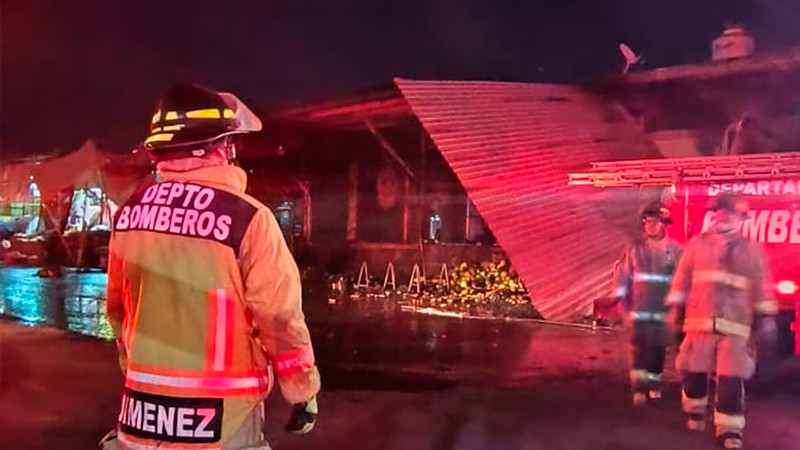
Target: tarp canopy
<point>86,167</point>
<point>15,180</point>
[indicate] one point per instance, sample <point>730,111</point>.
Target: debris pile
<point>487,289</point>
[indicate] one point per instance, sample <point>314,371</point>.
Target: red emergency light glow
<point>787,287</point>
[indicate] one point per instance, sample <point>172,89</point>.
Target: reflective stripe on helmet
<point>159,137</point>
<point>211,113</point>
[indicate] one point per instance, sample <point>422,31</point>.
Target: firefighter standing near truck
<point>642,281</point>
<point>720,296</point>
<point>204,296</point>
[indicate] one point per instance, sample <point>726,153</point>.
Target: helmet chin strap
<point>224,148</point>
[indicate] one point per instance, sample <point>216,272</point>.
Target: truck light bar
<point>709,169</point>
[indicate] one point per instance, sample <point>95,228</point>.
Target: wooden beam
<point>387,147</point>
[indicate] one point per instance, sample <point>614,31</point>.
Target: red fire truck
<point>771,182</point>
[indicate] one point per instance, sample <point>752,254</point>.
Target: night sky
<point>95,68</point>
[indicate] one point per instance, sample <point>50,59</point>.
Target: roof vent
<point>735,42</point>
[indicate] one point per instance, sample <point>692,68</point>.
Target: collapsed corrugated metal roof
<point>512,146</point>
<point>381,108</point>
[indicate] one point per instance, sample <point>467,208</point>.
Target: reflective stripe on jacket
<point>205,298</point>
<point>722,281</point>
<point>643,276</point>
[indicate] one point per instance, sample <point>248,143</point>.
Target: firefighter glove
<point>303,418</point>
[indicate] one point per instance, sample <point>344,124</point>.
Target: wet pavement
<point>391,381</point>
<point>364,345</point>
<point>75,302</point>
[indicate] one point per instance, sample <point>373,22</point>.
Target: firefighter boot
<point>639,386</point>
<point>729,415</point>
<point>694,400</point>
<point>654,394</point>
<point>730,441</point>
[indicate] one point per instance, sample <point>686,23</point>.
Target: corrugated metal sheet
<point>511,146</point>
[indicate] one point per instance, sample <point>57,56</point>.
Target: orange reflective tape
<point>211,329</point>
<point>222,330</point>
<point>294,361</point>
<point>173,391</point>
<point>230,325</point>
<point>197,373</point>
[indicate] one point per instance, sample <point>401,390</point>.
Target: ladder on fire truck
<point>708,169</point>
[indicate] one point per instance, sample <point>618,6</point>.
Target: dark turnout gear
<point>721,284</point>
<point>642,280</point>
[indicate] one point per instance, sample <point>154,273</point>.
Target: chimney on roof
<point>735,42</point>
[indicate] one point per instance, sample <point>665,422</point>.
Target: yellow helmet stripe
<point>203,114</point>
<point>160,137</point>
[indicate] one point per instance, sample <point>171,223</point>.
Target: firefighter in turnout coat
<point>204,296</point>
<point>643,277</point>
<point>720,293</point>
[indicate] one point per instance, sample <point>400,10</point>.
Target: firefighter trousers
<point>649,342</point>
<point>250,436</point>
<point>702,354</point>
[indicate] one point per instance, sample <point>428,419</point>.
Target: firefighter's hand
<point>767,329</point>
<point>303,418</point>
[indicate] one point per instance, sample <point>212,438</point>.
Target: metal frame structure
<point>709,169</point>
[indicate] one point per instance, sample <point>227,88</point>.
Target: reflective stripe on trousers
<point>719,325</point>
<point>652,277</point>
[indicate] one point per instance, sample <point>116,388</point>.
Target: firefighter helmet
<point>656,210</point>
<point>729,201</point>
<point>189,117</point>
